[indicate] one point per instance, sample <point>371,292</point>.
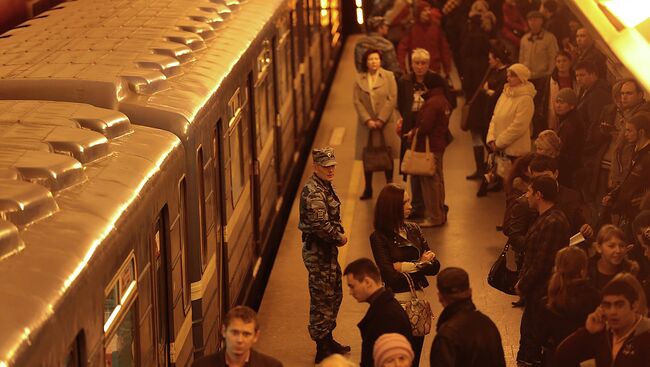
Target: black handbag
<point>502,278</point>
<point>377,158</point>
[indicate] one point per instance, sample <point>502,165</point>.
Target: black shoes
<point>336,346</point>
<point>519,303</point>
<point>367,194</point>
<point>483,189</point>
<point>474,176</point>
<point>328,346</point>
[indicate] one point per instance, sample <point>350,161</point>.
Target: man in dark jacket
<point>614,335</point>
<point>587,51</point>
<point>385,315</point>
<point>571,132</point>
<point>594,93</point>
<point>240,331</point>
<point>625,199</point>
<point>548,234</point>
<point>465,336</point>
<point>568,200</point>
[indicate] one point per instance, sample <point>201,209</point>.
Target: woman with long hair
<point>400,249</point>
<point>570,299</point>
<point>611,258</point>
<point>375,100</point>
<point>482,107</point>
<point>562,77</point>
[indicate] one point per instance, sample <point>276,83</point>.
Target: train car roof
<point>159,62</point>
<point>57,211</point>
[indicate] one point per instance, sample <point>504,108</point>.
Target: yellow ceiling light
<point>628,12</point>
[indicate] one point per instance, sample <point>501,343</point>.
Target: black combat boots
<point>328,346</point>
<point>323,350</point>
<point>336,346</point>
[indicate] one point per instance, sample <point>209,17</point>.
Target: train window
<point>120,348</point>
<point>236,162</point>
<point>204,244</point>
<point>120,325</point>
<point>283,66</point>
<point>185,279</point>
<point>237,143</point>
<point>76,352</point>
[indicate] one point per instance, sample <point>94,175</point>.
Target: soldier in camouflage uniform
<point>322,234</point>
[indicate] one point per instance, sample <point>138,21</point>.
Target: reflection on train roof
<point>130,56</point>
<point>69,195</point>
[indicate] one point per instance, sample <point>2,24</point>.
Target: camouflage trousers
<point>325,287</point>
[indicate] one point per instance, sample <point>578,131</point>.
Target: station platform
<point>468,240</point>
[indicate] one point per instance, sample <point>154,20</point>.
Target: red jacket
<point>433,122</point>
<point>513,21</point>
<point>430,37</point>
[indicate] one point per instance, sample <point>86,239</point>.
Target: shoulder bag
<point>377,158</point>
<point>418,311</point>
<point>500,277</point>
<point>419,163</point>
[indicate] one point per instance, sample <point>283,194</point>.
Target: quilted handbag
<point>500,277</point>
<point>377,157</point>
<point>419,163</point>
<point>418,311</point>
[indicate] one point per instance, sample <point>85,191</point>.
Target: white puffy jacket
<point>510,124</point>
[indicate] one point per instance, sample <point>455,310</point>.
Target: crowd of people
<point>568,144</point>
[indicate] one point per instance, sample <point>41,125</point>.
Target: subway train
<point>150,151</point>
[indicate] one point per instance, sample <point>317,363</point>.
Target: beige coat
<point>383,106</point>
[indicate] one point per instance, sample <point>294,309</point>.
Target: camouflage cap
<point>324,156</point>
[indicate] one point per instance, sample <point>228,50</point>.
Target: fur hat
<point>548,143</point>
<point>390,345</point>
<point>522,72</point>
<point>567,95</point>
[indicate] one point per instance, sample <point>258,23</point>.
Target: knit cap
<point>567,95</point>
<point>521,71</point>
<point>391,345</point>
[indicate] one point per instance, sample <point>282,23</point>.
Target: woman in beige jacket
<point>375,100</point>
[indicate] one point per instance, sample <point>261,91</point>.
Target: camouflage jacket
<point>320,211</point>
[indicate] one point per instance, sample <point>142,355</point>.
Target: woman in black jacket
<point>399,248</point>
<point>571,297</point>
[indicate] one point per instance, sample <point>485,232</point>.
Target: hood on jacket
<point>435,14</point>
<point>525,89</point>
<point>643,327</point>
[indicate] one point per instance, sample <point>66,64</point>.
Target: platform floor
<point>468,240</point>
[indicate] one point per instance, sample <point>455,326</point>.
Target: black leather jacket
<point>390,248</point>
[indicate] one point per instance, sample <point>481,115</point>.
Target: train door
<point>296,81</point>
<point>303,70</point>
<point>160,291</point>
<point>240,232</point>
<point>220,251</point>
<point>315,52</point>
<point>266,178</point>
<point>286,124</point>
